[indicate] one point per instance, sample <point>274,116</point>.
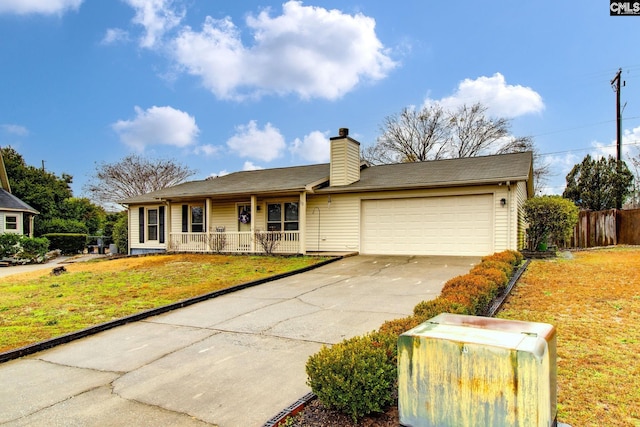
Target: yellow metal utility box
<point>456,370</point>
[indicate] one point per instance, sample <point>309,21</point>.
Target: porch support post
<point>167,224</point>
<point>254,210</point>
<point>302,223</point>
<point>207,220</point>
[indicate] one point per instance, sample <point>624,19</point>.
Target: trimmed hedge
<point>353,376</point>
<point>68,243</point>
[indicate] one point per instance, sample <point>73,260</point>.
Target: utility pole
<point>616,83</point>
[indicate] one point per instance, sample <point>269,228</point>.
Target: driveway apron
<point>236,360</point>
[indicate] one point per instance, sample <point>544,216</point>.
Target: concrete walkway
<point>236,360</point>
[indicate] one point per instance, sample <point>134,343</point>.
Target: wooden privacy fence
<point>606,228</point>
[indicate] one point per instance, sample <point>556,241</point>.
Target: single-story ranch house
<point>468,206</point>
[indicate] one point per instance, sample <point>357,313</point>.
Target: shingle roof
<point>10,202</point>
<point>443,173</point>
<point>246,182</point>
<point>431,174</point>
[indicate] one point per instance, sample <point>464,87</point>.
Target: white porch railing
<point>281,242</point>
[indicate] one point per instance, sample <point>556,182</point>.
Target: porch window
<point>193,218</point>
<point>197,219</point>
<point>282,216</point>
<point>152,224</point>
<point>11,222</point>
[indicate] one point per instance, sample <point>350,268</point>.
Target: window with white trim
<point>11,222</point>
<point>152,224</point>
<point>282,216</point>
<point>197,219</point>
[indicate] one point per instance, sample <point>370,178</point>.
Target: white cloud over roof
<point>157,126</point>
<point>502,99</point>
<point>314,147</point>
<point>250,141</point>
<point>44,7</point>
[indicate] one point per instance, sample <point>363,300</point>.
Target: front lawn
<point>37,306</point>
<point>593,299</point>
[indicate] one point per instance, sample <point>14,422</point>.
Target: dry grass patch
<point>37,306</point>
<point>594,302</point>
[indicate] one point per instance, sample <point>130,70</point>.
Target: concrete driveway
<point>236,360</point>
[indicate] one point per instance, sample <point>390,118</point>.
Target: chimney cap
<point>343,132</point>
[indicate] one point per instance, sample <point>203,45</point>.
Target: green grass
<point>38,306</point>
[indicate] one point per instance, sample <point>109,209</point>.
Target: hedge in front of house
<point>68,243</point>
<point>353,375</point>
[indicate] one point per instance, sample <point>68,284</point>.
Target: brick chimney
<point>345,159</point>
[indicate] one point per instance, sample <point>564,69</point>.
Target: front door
<point>244,218</point>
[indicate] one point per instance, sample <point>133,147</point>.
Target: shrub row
<point>19,247</point>
<point>68,243</point>
<point>358,376</point>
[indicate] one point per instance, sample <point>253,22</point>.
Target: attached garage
<point>451,225</point>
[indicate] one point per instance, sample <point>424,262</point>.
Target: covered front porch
<point>269,223</point>
<point>239,242</point>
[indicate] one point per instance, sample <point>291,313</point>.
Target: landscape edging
<point>72,336</point>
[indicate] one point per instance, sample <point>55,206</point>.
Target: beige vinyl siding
<point>339,223</point>
<point>134,233</point>
<point>501,217</point>
<point>345,162</point>
<point>521,224</point>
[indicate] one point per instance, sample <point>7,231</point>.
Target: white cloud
<point>309,51</point>
<point>314,147</point>
<point>115,35</point>
<point>502,99</point>
<point>250,166</point>
<point>207,150</point>
<point>157,17</point>
<point>262,144</point>
<point>15,129</point>
<point>44,7</point>
<point>158,126</point>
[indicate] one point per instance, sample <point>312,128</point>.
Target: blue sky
<point>228,86</point>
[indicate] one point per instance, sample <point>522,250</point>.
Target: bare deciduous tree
<point>433,133</point>
<point>133,176</point>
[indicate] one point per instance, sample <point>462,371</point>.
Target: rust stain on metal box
<point>457,370</point>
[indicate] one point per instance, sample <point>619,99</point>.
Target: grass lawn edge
<point>72,336</point>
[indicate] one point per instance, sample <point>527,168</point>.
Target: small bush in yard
<point>496,275</point>
<point>429,309</point>
<point>500,265</point>
<point>472,291</point>
<point>399,326</point>
<point>509,257</point>
<point>356,376</point>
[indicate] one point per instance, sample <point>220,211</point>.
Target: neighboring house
<point>15,215</point>
<point>469,206</point>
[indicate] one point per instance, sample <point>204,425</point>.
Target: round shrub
<point>500,265</point>
<point>356,376</point>
<point>472,291</point>
<point>434,307</point>
<point>397,327</point>
<point>496,275</point>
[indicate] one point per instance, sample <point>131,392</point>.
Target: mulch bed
<point>316,415</point>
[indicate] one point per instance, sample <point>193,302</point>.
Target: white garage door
<point>460,225</point>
